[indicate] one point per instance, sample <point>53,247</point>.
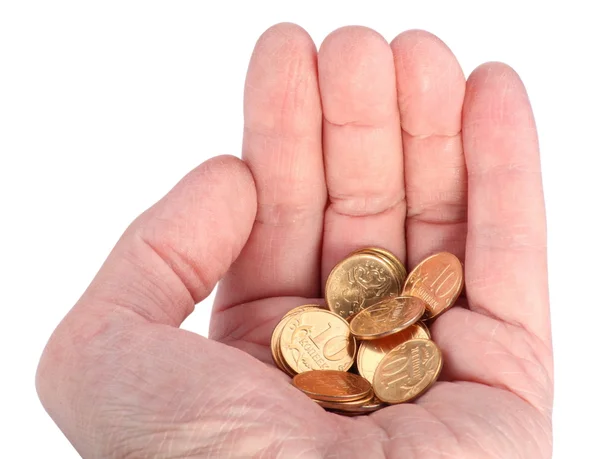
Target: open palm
<point>366,144</point>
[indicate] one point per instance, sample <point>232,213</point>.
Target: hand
<point>387,147</point>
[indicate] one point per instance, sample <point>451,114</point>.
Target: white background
<point>105,105</point>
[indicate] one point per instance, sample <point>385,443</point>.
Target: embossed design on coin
<point>407,371</point>
<point>358,282</point>
<point>371,353</point>
<point>317,339</point>
<point>334,386</point>
<point>387,317</point>
<point>437,280</point>
<point>390,258</point>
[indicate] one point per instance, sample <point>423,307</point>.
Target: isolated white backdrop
<point>105,105</point>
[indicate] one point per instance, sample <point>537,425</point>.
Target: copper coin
<point>332,386</point>
<point>387,317</point>
<point>390,257</point>
<point>437,280</point>
<point>345,405</point>
<point>359,281</point>
<point>407,371</point>
<point>371,353</point>
<point>317,339</point>
<point>348,409</point>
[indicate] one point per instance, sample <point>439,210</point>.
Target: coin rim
<point>349,408</point>
<point>345,405</point>
<point>276,345</point>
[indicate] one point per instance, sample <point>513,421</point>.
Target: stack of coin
<point>312,338</point>
<point>371,299</point>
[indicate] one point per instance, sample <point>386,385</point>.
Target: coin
<point>359,281</point>
<point>275,347</point>
<point>351,409</point>
<point>395,264</point>
<point>304,307</point>
<point>367,298</point>
<point>333,386</point>
<point>316,339</point>
<point>437,280</point>
<point>345,405</point>
<point>275,352</point>
<point>387,317</point>
<point>391,258</point>
<point>407,371</point>
<point>371,353</point>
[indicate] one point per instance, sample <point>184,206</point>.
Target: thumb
<point>172,256</point>
<point>169,258</point>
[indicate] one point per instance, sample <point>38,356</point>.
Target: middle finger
<point>361,144</point>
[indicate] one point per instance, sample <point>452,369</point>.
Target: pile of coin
<point>371,346</point>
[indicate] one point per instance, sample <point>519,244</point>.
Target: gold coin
<point>304,307</point>
<point>407,371</point>
<point>275,351</point>
<point>332,386</point>
<point>391,258</point>
<point>317,339</point>
<point>398,268</point>
<point>437,280</point>
<point>387,317</point>
<point>275,343</point>
<point>359,281</point>
<point>370,353</point>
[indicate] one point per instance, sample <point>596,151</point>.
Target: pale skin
<point>362,143</point>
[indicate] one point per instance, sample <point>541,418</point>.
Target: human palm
<point>366,145</point>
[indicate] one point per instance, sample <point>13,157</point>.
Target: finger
<point>118,368</point>
<point>172,256</point>
<point>506,268</point>
<point>282,146</point>
<point>362,145</point>
<point>431,88</point>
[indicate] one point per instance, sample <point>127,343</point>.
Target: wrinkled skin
<point>365,144</point>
